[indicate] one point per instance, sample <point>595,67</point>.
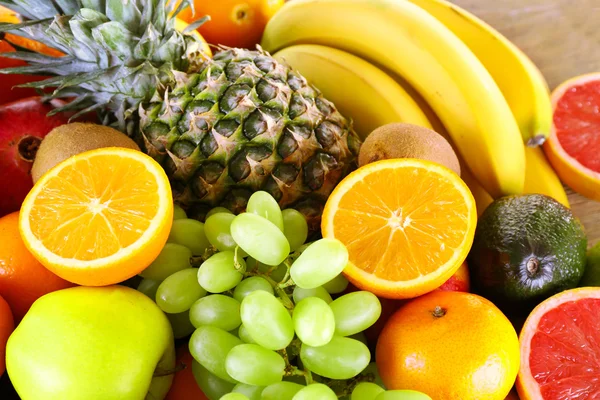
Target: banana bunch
<point>384,61</point>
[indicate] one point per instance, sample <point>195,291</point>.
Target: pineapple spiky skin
<point>246,122</point>
<point>222,128</point>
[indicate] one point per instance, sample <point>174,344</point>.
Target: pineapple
<point>222,128</point>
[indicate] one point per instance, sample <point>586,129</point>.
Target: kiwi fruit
<point>68,140</point>
<point>401,140</point>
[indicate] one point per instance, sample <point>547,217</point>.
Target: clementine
<point>184,385</point>
<point>22,278</point>
<point>451,346</point>
<point>6,327</point>
<point>233,23</point>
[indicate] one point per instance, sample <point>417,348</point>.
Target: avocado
<point>526,249</point>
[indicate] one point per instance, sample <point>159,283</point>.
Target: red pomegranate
<point>23,125</point>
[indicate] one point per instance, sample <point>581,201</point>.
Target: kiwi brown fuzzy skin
<point>400,140</point>
<point>68,140</point>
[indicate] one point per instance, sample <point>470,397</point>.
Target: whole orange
<point>22,278</point>
<point>233,23</point>
<point>184,385</point>
<point>7,325</point>
<point>451,346</point>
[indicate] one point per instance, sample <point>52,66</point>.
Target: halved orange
<point>100,217</point>
<point>574,142</point>
<point>408,225</point>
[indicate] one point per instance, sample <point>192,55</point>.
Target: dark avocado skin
<point>526,249</point>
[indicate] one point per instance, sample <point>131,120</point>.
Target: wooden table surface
<point>563,39</point>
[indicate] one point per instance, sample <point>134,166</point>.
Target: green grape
<point>295,228</point>
<point>216,310</point>
<point>172,258</point>
<point>260,238</point>
<point>263,204</point>
<point>249,285</point>
<point>299,379</point>
<point>245,335</point>
<point>314,322</point>
<point>254,365</point>
<point>148,287</point>
<point>250,391</point>
<point>178,213</point>
<point>209,346</point>
<point>314,392</point>
<point>354,312</point>
<point>251,264</point>
<point>217,228</point>
<point>181,324</point>
<point>179,291</point>
<point>341,358</point>
<point>299,294</point>
<point>217,210</point>
<point>366,391</point>
<point>337,284</point>
<point>212,386</point>
<point>319,263</point>
<point>234,396</point>
<point>277,273</point>
<point>281,391</point>
<point>267,320</point>
<point>189,233</point>
<point>373,371</point>
<point>218,274</point>
<point>402,395</point>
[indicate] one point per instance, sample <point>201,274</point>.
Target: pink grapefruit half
<point>560,348</point>
<point>573,147</point>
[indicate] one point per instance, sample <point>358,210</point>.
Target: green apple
<point>92,343</point>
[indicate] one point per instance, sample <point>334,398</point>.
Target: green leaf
<point>145,47</point>
<point>81,25</point>
<point>68,7</point>
<point>126,12</point>
<point>34,9</point>
<point>96,5</point>
<point>114,37</point>
<point>31,57</point>
<point>196,24</point>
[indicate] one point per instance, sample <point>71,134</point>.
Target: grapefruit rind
<point>527,387</point>
<point>425,283</point>
<point>580,178</point>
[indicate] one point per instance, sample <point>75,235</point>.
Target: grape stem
<point>287,281</point>
<point>308,376</point>
<point>285,299</point>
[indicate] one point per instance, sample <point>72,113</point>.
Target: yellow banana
<point>482,198</point>
<point>405,39</point>
<point>541,178</point>
<point>358,89</point>
<point>520,81</point>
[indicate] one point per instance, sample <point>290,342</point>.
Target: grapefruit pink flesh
<point>560,348</point>
<point>577,123</point>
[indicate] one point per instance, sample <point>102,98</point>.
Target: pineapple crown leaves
<point>117,53</point>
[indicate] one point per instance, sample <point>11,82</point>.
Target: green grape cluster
<point>257,302</point>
